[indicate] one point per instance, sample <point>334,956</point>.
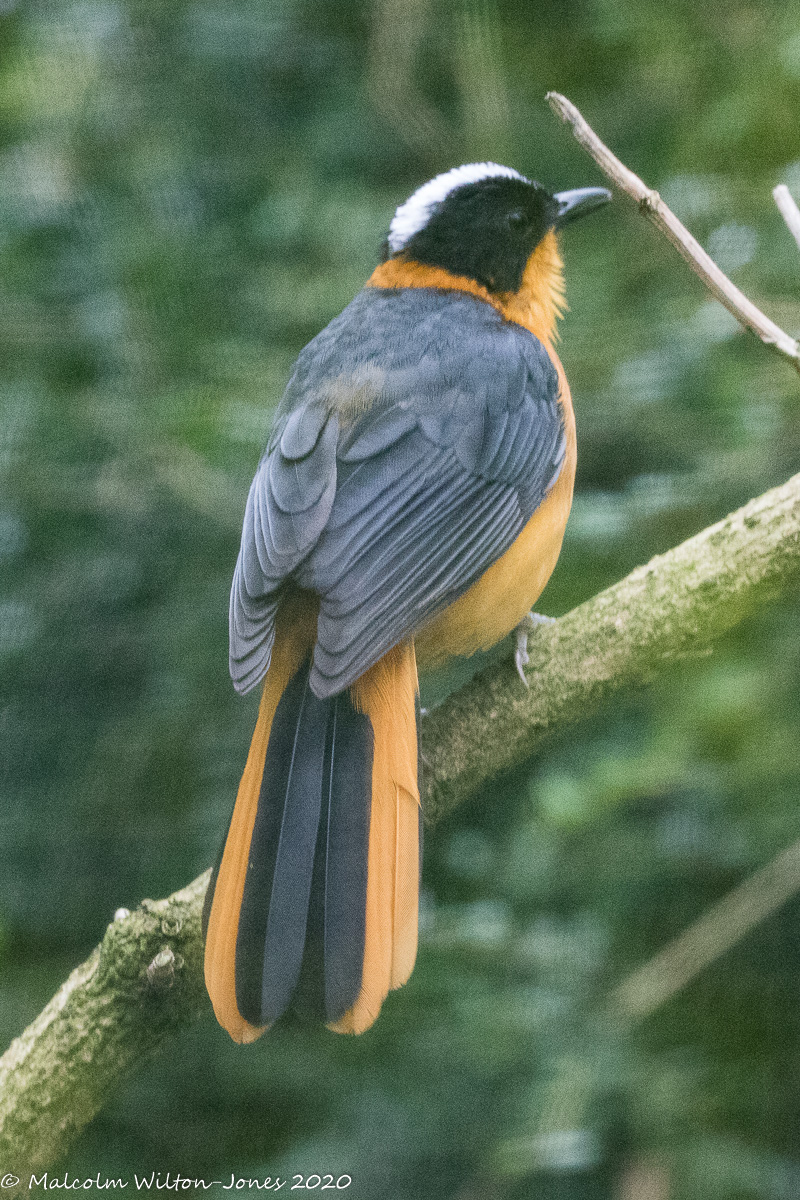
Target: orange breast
<point>499,600</point>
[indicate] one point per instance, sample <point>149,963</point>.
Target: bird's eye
<point>517,220</point>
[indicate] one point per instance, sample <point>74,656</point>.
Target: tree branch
<point>651,204</point>
<point>788,210</point>
<point>714,932</point>
<point>144,982</point>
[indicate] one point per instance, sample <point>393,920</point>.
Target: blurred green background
<point>188,193</point>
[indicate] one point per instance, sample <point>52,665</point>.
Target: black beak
<point>578,202</point>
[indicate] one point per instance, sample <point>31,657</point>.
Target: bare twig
<point>715,932</point>
<point>788,209</point>
<point>648,987</point>
<point>651,204</point>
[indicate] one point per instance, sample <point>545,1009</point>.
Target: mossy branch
<point>144,981</point>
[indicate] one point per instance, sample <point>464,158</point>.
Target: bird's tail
<point>313,905</point>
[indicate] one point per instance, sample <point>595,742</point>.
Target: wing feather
<point>418,434</point>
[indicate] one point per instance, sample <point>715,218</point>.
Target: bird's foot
<point>522,631</point>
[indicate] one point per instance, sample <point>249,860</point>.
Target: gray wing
<point>419,433</point>
<point>289,503</point>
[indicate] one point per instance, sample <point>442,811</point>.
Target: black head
<point>483,221</point>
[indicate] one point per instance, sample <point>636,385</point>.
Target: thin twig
<point>659,979</point>
<point>651,204</point>
<point>715,932</point>
<point>788,209</point>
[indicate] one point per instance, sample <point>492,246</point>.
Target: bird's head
<point>483,221</point>
<point>488,224</point>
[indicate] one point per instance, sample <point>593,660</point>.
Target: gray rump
<point>417,435</point>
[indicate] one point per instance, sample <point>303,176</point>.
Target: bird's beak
<point>575,203</point>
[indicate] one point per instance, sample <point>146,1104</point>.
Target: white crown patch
<point>415,212</point>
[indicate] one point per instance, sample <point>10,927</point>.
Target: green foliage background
<point>188,192</point>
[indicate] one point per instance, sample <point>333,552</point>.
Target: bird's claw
<point>522,631</point>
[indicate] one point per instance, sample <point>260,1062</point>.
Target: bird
<point>410,506</point>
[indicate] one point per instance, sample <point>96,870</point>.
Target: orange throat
<point>536,305</point>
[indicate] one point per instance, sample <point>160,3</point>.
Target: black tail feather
<point>285,825</point>
<point>301,931</point>
<point>285,938</point>
<point>345,901</point>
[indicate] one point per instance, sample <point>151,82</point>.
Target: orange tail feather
<point>387,694</point>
